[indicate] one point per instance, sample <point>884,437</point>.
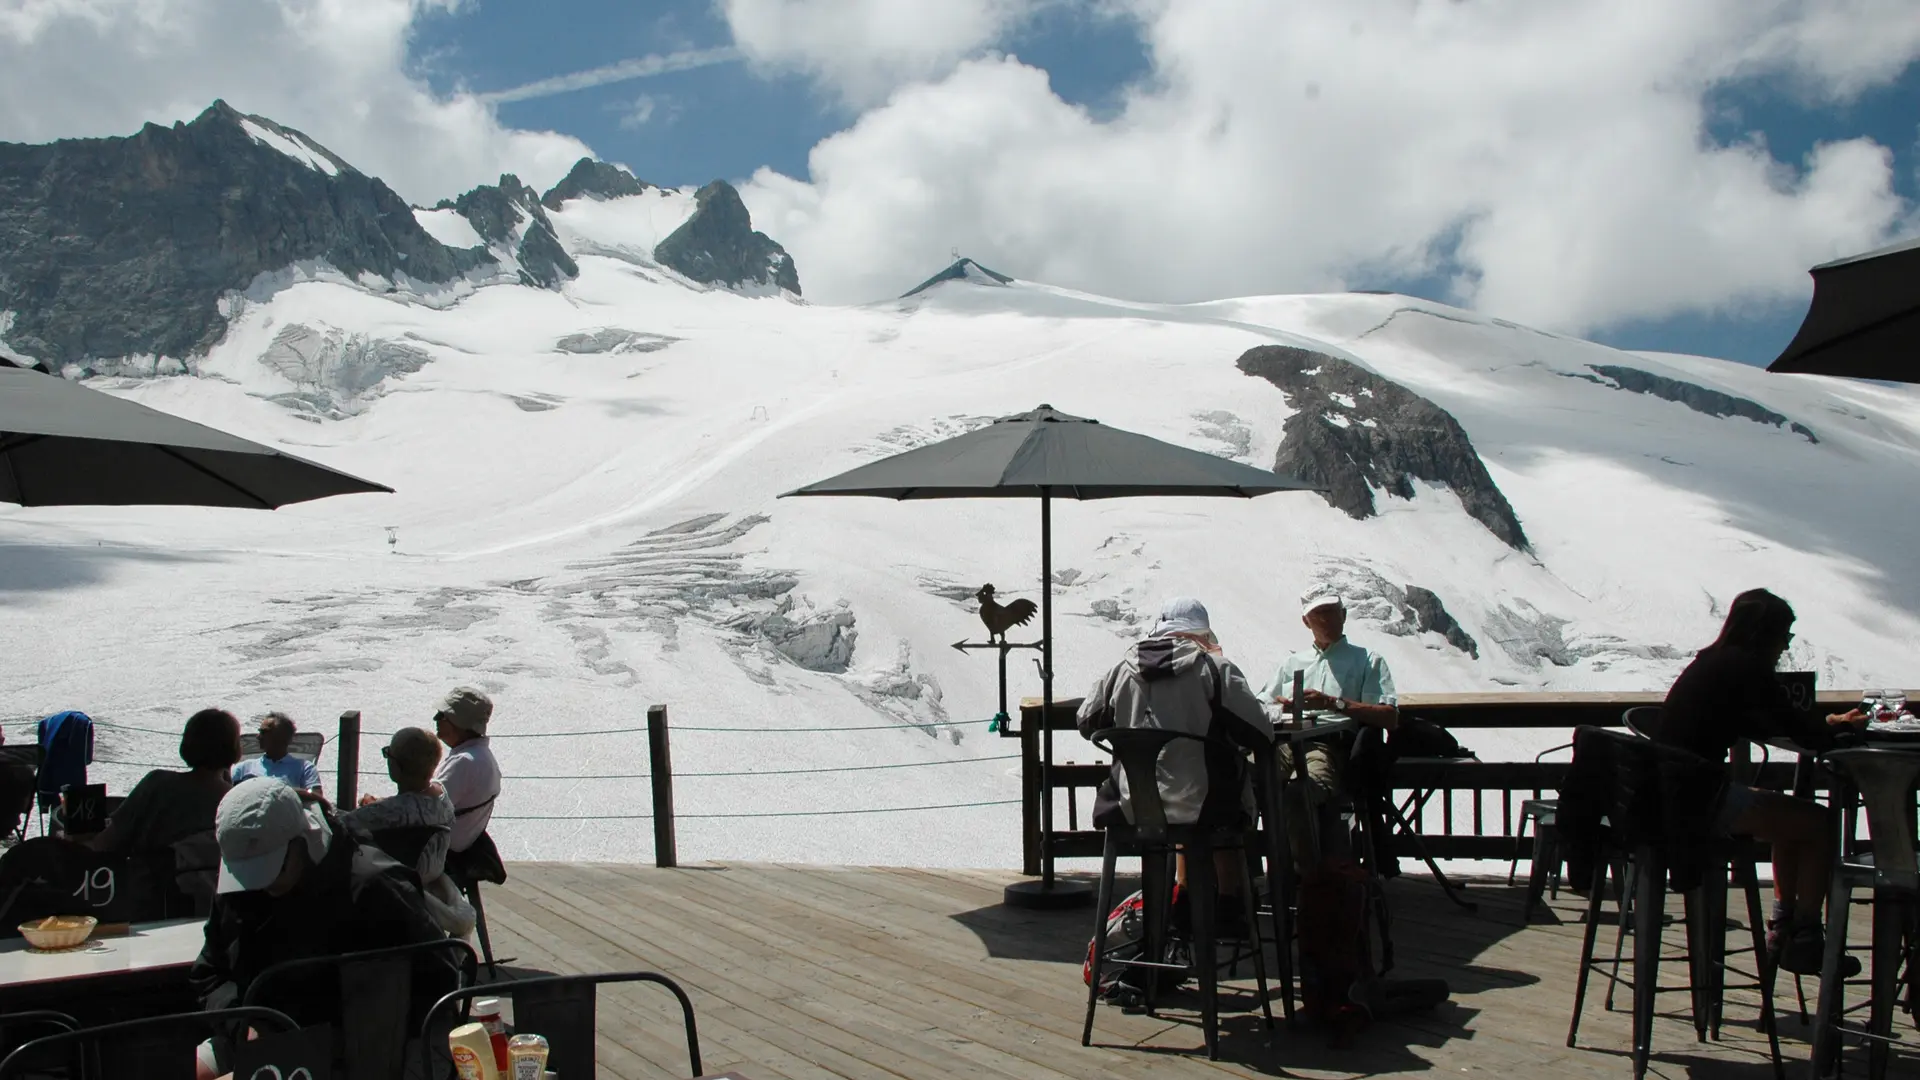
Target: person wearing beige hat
<point>1338,678</point>
<point>468,774</point>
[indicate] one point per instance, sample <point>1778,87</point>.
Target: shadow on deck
<point>819,972</point>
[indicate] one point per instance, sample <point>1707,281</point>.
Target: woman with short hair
<point>168,806</point>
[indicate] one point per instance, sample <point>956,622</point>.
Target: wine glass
<point>1894,702</point>
<point>1870,704</point>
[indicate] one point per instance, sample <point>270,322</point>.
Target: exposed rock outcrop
<point>593,179</point>
<point>718,246</point>
<point>1402,612</point>
<point>1354,431</point>
<point>961,270</point>
<point>1699,398</point>
<point>509,217</point>
<point>124,247</point>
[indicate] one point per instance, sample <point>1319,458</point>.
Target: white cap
<point>255,823</point>
<point>1320,600</point>
<point>1182,615</point>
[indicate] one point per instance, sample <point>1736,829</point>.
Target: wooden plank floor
<point>806,972</point>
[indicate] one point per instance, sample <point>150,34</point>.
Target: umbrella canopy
<point>1046,453</point>
<point>62,444</point>
<point>1865,318</point>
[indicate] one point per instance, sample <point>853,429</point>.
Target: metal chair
<point>306,745</point>
<point>196,1022</point>
<point>467,869</point>
<point>559,1007</point>
<point>407,844</point>
<point>1642,720</point>
<point>1640,791</point>
<point>1886,781</point>
<point>1545,863</point>
<point>32,1018</point>
<point>376,994</point>
<point>1138,751</point>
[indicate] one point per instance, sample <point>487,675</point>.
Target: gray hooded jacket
<point>1169,683</point>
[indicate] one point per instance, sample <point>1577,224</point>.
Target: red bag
<point>1127,940</point>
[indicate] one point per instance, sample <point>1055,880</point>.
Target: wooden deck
<point>809,972</point>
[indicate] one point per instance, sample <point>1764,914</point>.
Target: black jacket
<point>356,899</point>
<point>1623,792</point>
<point>1729,694</point>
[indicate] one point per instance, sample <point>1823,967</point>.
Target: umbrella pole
<point>1046,689</point>
<point>1046,893</point>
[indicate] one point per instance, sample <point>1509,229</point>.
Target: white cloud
<point>860,50</point>
<point>335,69</point>
<point>1549,157</point>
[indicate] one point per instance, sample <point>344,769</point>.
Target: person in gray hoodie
<point>1171,681</point>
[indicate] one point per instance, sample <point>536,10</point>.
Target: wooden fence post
<point>347,747</point>
<point>664,853</point>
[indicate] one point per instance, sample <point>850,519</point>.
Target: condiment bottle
<point>472,1053</point>
<point>529,1056</point>
<point>486,1012</point>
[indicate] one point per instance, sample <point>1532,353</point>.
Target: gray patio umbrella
<point>1046,455</point>
<point>62,444</point>
<point>1865,318</point>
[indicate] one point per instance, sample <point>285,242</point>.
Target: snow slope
<point>589,529</point>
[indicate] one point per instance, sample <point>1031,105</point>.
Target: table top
<point>1315,728</point>
<point>147,947</point>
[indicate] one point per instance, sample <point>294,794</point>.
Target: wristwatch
<point>1340,705</point>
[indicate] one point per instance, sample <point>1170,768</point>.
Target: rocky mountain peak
<point>125,246</point>
<point>718,245</point>
<point>595,180</point>
<point>509,217</point>
<point>963,269</point>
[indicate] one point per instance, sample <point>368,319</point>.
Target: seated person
<point>1170,681</point>
<point>166,807</point>
<point>411,756</point>
<point>468,774</point>
<point>1727,694</point>
<point>294,884</point>
<point>1338,677</point>
<point>276,739</point>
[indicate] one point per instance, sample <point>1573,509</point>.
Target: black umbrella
<point>1046,455</point>
<point>1865,318</point>
<point>62,444</point>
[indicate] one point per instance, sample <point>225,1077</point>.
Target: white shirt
<point>472,781</point>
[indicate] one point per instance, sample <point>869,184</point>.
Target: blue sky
<point>727,120</point>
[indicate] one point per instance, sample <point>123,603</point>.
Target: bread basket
<point>58,931</point>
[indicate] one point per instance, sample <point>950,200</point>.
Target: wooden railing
<point>1461,809</point>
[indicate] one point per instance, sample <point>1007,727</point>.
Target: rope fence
<point>29,731</point>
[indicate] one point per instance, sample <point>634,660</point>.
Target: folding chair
<point>198,1023</point>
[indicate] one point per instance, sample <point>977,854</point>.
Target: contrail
<point>639,67</point>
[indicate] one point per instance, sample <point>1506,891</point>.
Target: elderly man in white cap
<point>1170,681</point>
<point>468,774</point>
<point>294,884</point>
<point>1337,677</point>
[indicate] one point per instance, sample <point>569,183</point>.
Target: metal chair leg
<point>1648,909</point>
<point>1250,912</point>
<point>1826,1031</point>
<point>1624,886</point>
<point>1203,895</point>
<point>1586,948</point>
<point>1101,908</point>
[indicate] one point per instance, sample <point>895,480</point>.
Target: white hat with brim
<point>255,823</point>
<point>1313,603</point>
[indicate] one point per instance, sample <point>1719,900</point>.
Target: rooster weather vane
<point>1000,618</point>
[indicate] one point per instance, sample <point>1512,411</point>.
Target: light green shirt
<point>1341,670</point>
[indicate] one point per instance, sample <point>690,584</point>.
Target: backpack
<point>1126,939</point>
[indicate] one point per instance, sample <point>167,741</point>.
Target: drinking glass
<point>1870,704</point>
<point>1894,702</point>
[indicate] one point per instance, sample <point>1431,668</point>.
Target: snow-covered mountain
<point>586,523</point>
